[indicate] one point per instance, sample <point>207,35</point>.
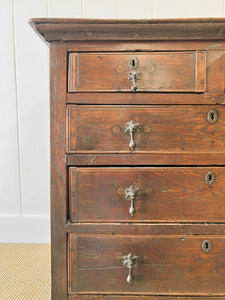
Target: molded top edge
<point>59,29</point>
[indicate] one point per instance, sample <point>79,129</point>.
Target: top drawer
<point>141,72</point>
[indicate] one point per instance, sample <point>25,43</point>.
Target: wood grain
<point>101,129</point>
<point>58,171</point>
<point>154,158</point>
<point>182,78</point>
<point>136,45</point>
<point>165,194</point>
<point>139,297</point>
<point>147,228</point>
<point>147,98</point>
<point>158,72</point>
<point>166,265</point>
<point>127,30</point>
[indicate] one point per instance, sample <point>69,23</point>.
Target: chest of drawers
<point>137,158</point>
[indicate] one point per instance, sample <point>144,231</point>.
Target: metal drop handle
<point>132,194</point>
<point>131,129</point>
<point>134,76</point>
<point>130,261</point>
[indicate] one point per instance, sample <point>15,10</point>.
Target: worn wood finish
<point>106,46</point>
<point>215,71</point>
<point>58,172</point>
<point>165,194</point>
<point>158,72</point>
<point>139,297</point>
<point>128,30</point>
<point>166,265</point>
<point>214,84</point>
<point>162,129</point>
<point>147,228</point>
<point>146,98</point>
<point>186,57</point>
<point>154,158</point>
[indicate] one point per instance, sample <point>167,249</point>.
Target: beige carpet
<point>25,272</point>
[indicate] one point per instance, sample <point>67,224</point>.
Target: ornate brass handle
<point>130,261</point>
<point>131,129</point>
<point>133,76</point>
<point>132,194</point>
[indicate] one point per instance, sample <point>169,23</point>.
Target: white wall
<point>24,100</point>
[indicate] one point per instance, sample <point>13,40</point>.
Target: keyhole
<point>206,246</point>
<point>210,178</point>
<point>133,63</point>
<point>212,116</point>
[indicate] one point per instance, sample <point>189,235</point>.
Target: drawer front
<point>149,194</point>
<point>162,265</point>
<point>142,72</point>
<point>123,129</point>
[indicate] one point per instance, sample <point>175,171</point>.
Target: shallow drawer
<point>127,72</point>
<point>162,265</point>
<point>122,129</point>
<point>159,194</point>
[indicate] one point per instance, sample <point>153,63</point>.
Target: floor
<point>25,272</point>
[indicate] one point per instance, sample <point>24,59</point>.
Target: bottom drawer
<point>150,265</point>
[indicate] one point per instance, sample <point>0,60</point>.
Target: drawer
<point>159,194</point>
<point>162,265</point>
<point>137,71</point>
<point>145,129</point>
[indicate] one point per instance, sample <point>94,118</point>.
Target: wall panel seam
<point>82,9</point>
<point>188,8</point>
<point>117,9</point>
<point>47,7</point>
<point>224,8</point>
<point>153,8</point>
<point>17,108</point>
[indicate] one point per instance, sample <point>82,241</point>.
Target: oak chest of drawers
<point>137,158</point>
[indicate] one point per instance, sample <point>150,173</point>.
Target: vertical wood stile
<point>58,68</point>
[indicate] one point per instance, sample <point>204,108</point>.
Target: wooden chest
<point>137,158</point>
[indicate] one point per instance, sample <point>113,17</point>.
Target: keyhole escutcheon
<point>210,178</point>
<point>206,246</point>
<point>212,116</point>
<point>133,63</point>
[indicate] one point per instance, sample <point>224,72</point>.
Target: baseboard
<point>24,229</point>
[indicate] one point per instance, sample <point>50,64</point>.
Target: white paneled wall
<point>24,96</point>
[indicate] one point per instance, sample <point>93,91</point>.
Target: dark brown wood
<point>72,265</point>
<point>163,129</point>
<point>158,72</point>
<point>157,159</point>
<point>139,297</point>
<point>127,30</point>
<point>135,45</point>
<point>214,88</point>
<point>215,71</point>
<point>206,229</point>
<point>166,265</point>
<point>58,171</point>
<point>145,98</point>
<point>165,195</point>
<point>91,163</point>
